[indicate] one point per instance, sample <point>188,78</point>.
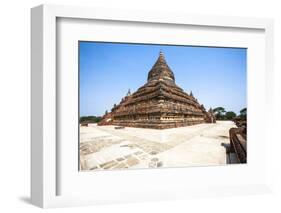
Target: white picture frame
<point>44,134</point>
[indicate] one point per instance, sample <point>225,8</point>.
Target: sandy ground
<point>104,147</point>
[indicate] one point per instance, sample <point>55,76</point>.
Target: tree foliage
<point>230,115</point>
<point>222,114</point>
<point>219,113</point>
<point>243,114</point>
<point>90,119</point>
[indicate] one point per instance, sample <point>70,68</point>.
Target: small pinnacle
<point>191,94</point>
<point>129,92</point>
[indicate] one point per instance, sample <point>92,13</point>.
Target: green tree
<point>243,113</point>
<point>90,119</point>
<point>230,115</point>
<point>219,113</point>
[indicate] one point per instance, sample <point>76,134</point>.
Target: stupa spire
<point>161,70</point>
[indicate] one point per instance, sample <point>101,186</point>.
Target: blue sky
<point>216,76</point>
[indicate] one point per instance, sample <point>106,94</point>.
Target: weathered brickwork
<point>159,104</point>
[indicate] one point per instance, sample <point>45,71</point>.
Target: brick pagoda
<point>159,104</point>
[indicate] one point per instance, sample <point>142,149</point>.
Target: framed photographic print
<point>149,106</point>
<point>159,124</point>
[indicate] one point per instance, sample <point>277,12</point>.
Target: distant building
<point>159,104</point>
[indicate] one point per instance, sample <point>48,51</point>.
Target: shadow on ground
<point>24,199</point>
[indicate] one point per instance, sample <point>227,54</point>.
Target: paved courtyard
<point>104,147</point>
